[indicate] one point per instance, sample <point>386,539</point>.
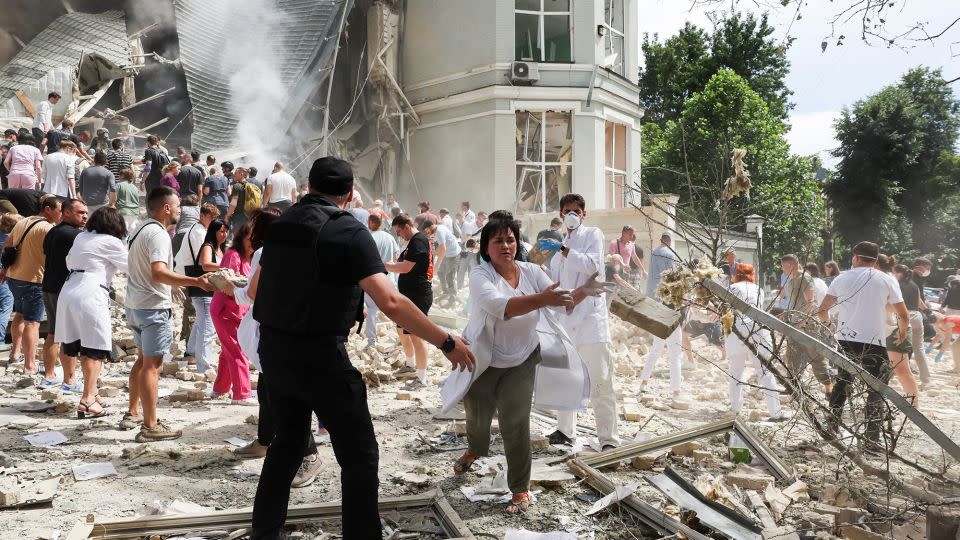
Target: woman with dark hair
<point>204,259</point>
<point>899,353</point>
<point>830,270</point>
<point>83,314</point>
<point>233,370</point>
<point>519,345</point>
<point>899,357</point>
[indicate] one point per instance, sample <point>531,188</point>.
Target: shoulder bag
<point>195,269</point>
<point>10,253</point>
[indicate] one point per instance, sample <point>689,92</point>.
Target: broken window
<point>613,40</point>
<point>544,155</point>
<point>543,31</point>
<point>615,164</point>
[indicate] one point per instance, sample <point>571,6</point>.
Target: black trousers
<point>873,359</point>
<point>267,424</point>
<point>306,377</point>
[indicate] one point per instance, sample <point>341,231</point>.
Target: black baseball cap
<point>331,176</point>
<point>227,165</point>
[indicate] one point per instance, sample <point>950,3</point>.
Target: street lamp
<point>755,226</point>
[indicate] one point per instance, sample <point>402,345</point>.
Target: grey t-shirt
<point>96,183</point>
<point>150,244</point>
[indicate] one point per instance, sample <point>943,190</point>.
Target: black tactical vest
<point>292,296</point>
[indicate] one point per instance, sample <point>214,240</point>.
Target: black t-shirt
<point>911,295</point>
<point>418,279</point>
<point>191,181</point>
<point>26,201</point>
<point>56,245</point>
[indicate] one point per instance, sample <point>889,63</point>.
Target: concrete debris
<point>51,394</point>
<point>687,448</point>
<point>745,480</point>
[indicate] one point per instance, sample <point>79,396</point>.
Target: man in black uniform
<point>304,325</point>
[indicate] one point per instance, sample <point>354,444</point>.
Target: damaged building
<point>530,99</point>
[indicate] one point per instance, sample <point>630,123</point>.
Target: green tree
<point>691,157</point>
<point>676,69</point>
<point>893,182</point>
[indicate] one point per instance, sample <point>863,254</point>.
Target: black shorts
<point>423,300</point>
<point>75,349</point>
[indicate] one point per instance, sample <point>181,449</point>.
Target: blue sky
<point>824,82</point>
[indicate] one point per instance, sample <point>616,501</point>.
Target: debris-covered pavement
<point>90,467</point>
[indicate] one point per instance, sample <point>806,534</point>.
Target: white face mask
<point>925,273</point>
<point>571,220</point>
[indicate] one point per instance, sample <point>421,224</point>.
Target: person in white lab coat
<point>580,255</point>
<point>83,309</point>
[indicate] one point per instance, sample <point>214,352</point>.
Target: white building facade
<point>521,102</point>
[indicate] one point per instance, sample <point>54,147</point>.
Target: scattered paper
<point>236,441</point>
<point>93,470</point>
<point>617,495</point>
<point>46,438</point>
<point>164,392</point>
<point>523,534</point>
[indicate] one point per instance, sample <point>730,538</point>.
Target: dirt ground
<point>418,451</point>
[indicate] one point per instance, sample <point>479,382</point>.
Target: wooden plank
<point>27,103</point>
<point>630,450</point>
<point>79,109</point>
<point>756,502</point>
<point>942,439</point>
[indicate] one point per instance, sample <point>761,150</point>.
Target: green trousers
<point>508,392</point>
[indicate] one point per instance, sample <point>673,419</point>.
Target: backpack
<point>252,198</point>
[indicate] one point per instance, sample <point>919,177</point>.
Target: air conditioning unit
<point>524,72</point>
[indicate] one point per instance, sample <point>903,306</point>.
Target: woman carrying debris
<point>83,313</point>
<point>900,354</point>
<point>233,369</point>
<point>204,258</point>
<point>749,335</point>
<point>519,346</point>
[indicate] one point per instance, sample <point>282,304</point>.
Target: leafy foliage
<point>691,157</point>
<point>896,182</point>
<point>681,66</point>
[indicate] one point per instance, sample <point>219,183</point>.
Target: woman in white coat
<point>744,288</point>
<point>508,318</point>
<point>83,313</point>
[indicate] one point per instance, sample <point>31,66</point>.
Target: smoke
<point>252,55</point>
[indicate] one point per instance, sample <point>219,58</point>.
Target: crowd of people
<point>538,331</point>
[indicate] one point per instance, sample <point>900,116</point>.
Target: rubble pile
<point>91,467</point>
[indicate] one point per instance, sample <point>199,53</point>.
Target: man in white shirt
<point>863,295</point>
<point>580,256</point>
<point>59,171</point>
<point>448,260</point>
<point>468,215</point>
<point>445,219</point>
<point>280,189</point>
<point>43,121</point>
<point>663,258</point>
<point>388,249</point>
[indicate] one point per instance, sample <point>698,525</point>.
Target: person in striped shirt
<point>118,159</point>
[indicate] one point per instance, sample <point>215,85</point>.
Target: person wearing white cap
<point>663,258</point>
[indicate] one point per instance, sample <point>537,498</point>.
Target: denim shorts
<point>27,299</point>
<point>152,330</point>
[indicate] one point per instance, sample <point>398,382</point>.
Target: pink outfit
<point>233,368</point>
<point>22,181</point>
<point>23,166</point>
<point>625,249</point>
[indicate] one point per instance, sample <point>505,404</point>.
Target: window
<point>544,154</point>
<point>543,30</point>
<point>613,17</point>
<point>615,164</point>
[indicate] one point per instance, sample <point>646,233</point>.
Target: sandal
<point>100,401</point>
<point>464,464</point>
<point>84,411</point>
<point>520,503</point>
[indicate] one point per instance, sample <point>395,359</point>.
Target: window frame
<point>541,45</point>
<point>541,165</point>
<point>612,32</point>
<point>610,172</point>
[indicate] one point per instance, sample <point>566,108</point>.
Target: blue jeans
<point>203,331</point>
<point>6,309</point>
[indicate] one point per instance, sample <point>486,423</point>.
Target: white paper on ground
<point>523,534</point>
<point>90,471</point>
<point>164,392</point>
<point>46,438</point>
<point>616,495</point>
<point>236,441</point>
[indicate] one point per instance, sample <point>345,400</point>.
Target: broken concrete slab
<point>943,522</point>
<point>745,480</point>
<point>15,495</point>
<point>640,310</point>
